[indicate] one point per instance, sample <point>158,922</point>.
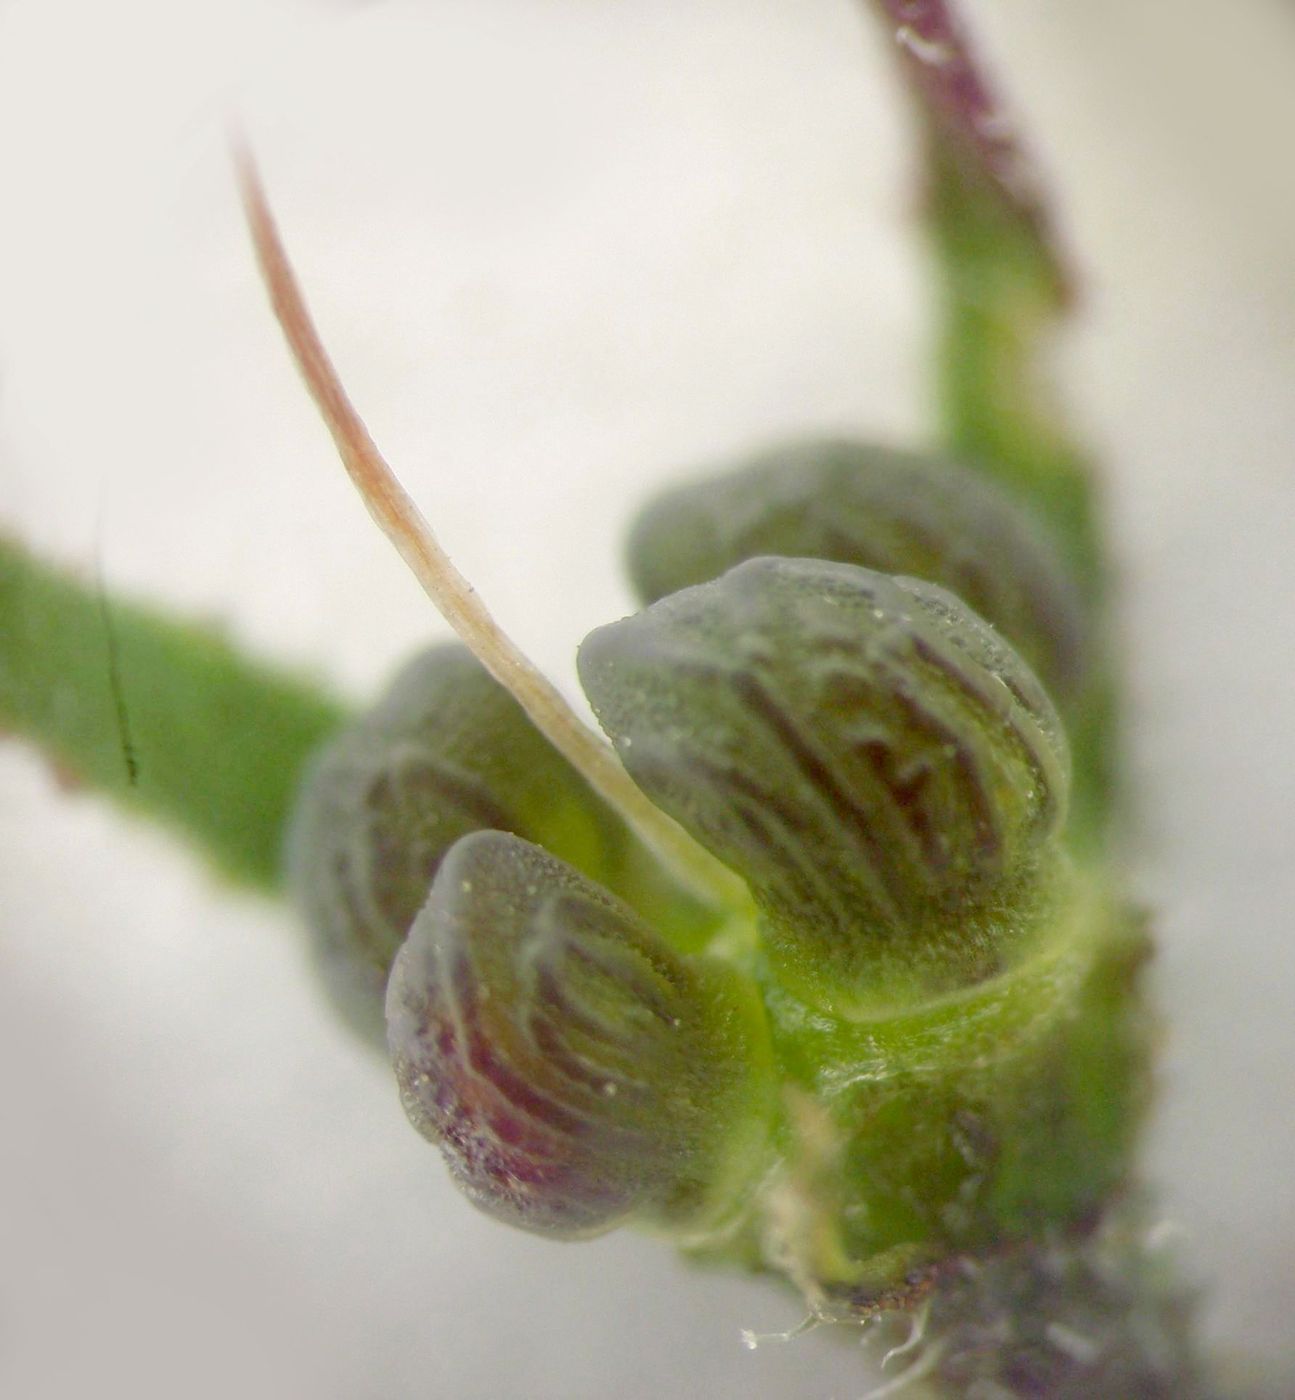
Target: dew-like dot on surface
<point>933,52</point>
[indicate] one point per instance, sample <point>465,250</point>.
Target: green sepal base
<point>991,1116</point>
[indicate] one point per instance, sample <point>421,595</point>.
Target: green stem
<point>1000,309</point>
<point>1062,1313</point>
<point>165,717</point>
<point>1003,293</point>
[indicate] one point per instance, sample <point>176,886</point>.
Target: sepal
<point>883,770</point>
<point>445,752</point>
<point>573,1068</point>
<point>898,512</point>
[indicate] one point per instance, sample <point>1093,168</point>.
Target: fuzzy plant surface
<point>814,963</point>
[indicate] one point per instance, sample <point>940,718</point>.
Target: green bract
<point>873,759</point>
<point>894,511</point>
<point>573,1068</point>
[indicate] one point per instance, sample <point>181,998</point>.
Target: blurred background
<point>565,252</point>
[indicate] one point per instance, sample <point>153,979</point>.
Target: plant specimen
<point>900,1058</point>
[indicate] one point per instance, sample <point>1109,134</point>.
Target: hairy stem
<point>1004,282</point>
<point>1071,1318</point>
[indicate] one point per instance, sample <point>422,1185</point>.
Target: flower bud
<point>893,511</point>
<point>446,752</point>
<point>872,758</point>
<point>573,1069</point>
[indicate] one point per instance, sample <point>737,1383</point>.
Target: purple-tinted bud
<point>572,1067</point>
<point>447,751</point>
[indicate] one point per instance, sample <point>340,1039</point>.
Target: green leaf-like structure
<point>880,767</point>
<point>167,716</point>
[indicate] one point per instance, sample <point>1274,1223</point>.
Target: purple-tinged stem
<point>966,119</point>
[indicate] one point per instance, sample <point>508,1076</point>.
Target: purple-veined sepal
<point>446,751</point>
<point>879,765</point>
<point>575,1071</point>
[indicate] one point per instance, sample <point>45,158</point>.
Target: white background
<point>565,251</point>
